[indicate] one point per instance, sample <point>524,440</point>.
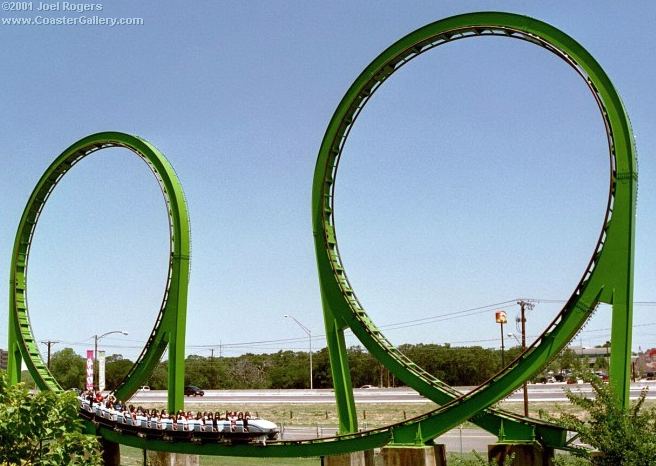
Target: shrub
<point>611,436</point>
<point>42,429</point>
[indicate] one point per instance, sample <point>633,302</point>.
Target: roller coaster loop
<point>608,277</point>
<point>169,329</point>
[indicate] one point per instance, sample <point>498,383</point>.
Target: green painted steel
<point>169,329</point>
<point>608,277</point>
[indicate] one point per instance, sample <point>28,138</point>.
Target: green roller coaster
<point>608,277</point>
<point>169,329</point>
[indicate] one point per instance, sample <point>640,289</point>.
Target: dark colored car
<point>193,390</point>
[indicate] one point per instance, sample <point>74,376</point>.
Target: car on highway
<point>144,388</point>
<point>192,390</point>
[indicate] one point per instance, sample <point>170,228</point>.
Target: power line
<point>452,315</point>
<point>495,305</point>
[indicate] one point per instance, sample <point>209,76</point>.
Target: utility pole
<point>523,306</point>
<point>212,353</point>
<point>49,343</point>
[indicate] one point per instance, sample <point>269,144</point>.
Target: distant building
<point>4,359</point>
<point>645,364</point>
<point>590,355</point>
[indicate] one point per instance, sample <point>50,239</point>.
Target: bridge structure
<point>607,277</point>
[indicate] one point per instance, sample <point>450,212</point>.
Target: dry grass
<point>370,415</point>
<point>373,415</point>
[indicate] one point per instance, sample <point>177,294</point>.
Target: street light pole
<point>309,334</point>
<point>95,348</point>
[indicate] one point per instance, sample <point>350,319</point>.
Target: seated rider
<point>233,421</point>
<point>247,416</point>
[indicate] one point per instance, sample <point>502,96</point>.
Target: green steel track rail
<point>608,277</point>
<point>169,329</point>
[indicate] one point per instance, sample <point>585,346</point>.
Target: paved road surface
<point>456,440</point>
<point>537,392</point>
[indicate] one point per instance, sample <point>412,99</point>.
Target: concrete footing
<point>163,458</point>
<point>524,454</point>
<point>111,453</point>
<point>434,455</point>
<point>358,458</point>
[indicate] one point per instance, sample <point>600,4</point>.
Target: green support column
<point>339,366</point>
<point>177,343</point>
<point>622,254</point>
<point>620,352</point>
<point>14,363</point>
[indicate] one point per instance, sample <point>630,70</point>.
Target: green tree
<point>116,368</point>
<point>215,372</point>
<point>248,371</point>
<point>321,374</point>
<point>159,378</point>
<point>289,369</point>
<point>68,368</point>
<point>568,359</point>
<point>195,371</point>
<point>617,437</point>
<point>364,368</point>
<point>42,429</point>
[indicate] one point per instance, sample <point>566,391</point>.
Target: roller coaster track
<point>608,277</point>
<point>169,328</point>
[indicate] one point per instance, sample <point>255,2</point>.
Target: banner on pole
<point>90,369</point>
<point>101,370</point>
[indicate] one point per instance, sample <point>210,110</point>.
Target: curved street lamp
<point>309,334</point>
<point>96,338</point>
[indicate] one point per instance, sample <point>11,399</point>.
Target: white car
<point>144,388</point>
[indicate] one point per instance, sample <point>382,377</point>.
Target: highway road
<point>536,392</point>
<point>456,440</point>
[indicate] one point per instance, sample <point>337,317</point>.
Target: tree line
<point>470,365</point>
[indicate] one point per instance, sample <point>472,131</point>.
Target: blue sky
<point>476,175</point>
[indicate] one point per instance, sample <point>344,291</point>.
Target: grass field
<point>370,415</point>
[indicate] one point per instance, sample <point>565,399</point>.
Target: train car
<point>254,430</point>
